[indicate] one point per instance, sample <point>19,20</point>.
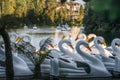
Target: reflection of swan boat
<point>34,27</point>
<point>63,27</point>
<point>25,27</point>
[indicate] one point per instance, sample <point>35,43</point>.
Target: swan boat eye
<point>103,42</point>
<point>63,37</point>
<point>117,44</point>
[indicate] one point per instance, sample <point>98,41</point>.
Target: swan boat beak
<point>104,43</point>
<point>88,39</point>
<point>71,46</point>
<point>88,48</point>
<point>51,45</point>
<point>76,38</point>
<point>63,37</point>
<point>19,39</point>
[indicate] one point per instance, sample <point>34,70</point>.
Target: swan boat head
<point>95,65</point>
<point>90,38</point>
<point>100,44</point>
<point>80,36</point>
<point>116,46</point>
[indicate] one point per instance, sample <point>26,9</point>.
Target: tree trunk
<point>8,55</point>
<point>37,71</point>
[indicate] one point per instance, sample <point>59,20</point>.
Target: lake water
<point>39,34</point>
<point>43,33</point>
<point>36,35</point>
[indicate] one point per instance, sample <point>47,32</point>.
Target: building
<point>75,9</point>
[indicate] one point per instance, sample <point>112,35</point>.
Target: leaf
<point>101,5</point>
<point>63,1</point>
<point>87,0</point>
<point>112,15</point>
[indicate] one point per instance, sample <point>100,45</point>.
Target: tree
<point>41,55</point>
<point>8,54</point>
<point>81,16</point>
<point>51,10</point>
<point>36,57</point>
<point>21,8</point>
<point>39,12</point>
<point>62,12</point>
<point>102,20</point>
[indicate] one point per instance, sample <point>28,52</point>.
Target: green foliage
<point>0,11</point>
<point>39,12</point>
<point>21,8</point>
<point>113,7</point>
<point>86,0</point>
<point>39,6</point>
<point>63,1</point>
<point>81,16</point>
<point>102,19</point>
